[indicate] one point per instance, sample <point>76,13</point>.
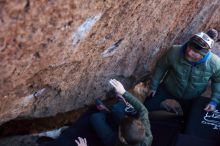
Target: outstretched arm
<point>143,113</point>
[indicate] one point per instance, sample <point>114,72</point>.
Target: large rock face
<point>70,49</point>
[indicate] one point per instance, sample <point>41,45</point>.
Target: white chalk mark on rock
<point>84,28</point>
<point>28,99</point>
<point>39,92</point>
<point>111,50</point>
<point>155,51</point>
<point>53,133</point>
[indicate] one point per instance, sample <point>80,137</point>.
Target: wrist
<point>213,103</point>
<point>123,92</point>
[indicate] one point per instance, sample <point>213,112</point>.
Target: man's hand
<point>81,141</point>
<point>210,107</point>
<point>151,93</point>
<point>118,86</point>
<point>172,105</point>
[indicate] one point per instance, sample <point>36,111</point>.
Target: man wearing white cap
<point>183,73</point>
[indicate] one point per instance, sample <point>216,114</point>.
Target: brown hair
<point>132,130</point>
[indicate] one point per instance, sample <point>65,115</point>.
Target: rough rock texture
<point>72,48</point>
<point>26,140</point>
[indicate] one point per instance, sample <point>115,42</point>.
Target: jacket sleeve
<point>216,87</point>
<point>160,70</point>
<point>143,116</point>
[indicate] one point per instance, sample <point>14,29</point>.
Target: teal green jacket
<point>143,116</point>
<point>184,80</point>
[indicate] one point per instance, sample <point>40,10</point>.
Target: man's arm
<point>143,115</point>
<point>160,70</point>
<point>215,84</point>
<point>215,97</point>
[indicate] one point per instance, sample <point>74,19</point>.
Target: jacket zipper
<point>188,80</point>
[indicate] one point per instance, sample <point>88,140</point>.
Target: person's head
<point>131,131</point>
<point>200,44</point>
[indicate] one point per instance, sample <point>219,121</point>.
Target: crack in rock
<point>112,49</point>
